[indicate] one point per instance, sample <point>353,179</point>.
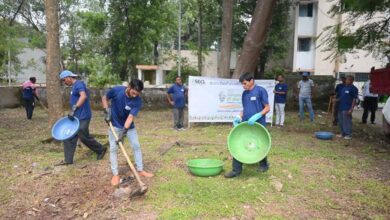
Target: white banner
<point>219,100</point>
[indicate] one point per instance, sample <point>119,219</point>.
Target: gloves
<point>237,120</point>
<point>121,135</point>
<point>71,113</point>
<point>254,118</point>
<point>107,115</point>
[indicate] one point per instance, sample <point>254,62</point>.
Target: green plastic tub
<point>249,144</point>
<point>205,167</point>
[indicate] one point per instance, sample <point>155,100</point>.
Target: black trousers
<point>237,165</point>
<point>29,106</point>
<point>85,137</point>
<point>370,104</point>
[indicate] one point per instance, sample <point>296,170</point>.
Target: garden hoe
<point>142,187</point>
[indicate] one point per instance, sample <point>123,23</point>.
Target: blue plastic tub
<point>65,128</point>
<point>324,135</point>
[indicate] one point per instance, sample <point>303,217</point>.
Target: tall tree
<point>53,67</point>
<point>255,38</point>
<point>226,39</point>
<point>200,34</point>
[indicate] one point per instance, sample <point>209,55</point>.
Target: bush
<point>186,71</point>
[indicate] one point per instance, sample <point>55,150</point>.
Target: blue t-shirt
<point>281,87</point>
<point>347,95</point>
<point>122,106</point>
<point>177,92</point>
<point>338,89</point>
<point>84,111</point>
<point>253,101</point>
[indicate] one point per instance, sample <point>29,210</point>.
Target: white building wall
<point>210,61</point>
<point>358,62</point>
<point>32,64</point>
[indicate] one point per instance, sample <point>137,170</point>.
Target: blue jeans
<point>302,101</point>
<point>133,139</point>
<point>345,123</point>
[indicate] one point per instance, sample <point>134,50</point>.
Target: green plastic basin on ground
<point>249,144</point>
<point>205,167</point>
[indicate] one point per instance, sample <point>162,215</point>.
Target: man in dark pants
<point>255,107</point>
<point>29,92</point>
<point>178,94</point>
<point>337,91</point>
<point>370,103</point>
<point>80,108</point>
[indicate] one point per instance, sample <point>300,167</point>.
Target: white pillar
<point>140,74</point>
<point>159,76</point>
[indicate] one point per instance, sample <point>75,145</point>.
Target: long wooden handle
<point>127,156</point>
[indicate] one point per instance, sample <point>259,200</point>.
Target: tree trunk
<point>155,53</point>
<point>200,29</point>
<point>255,38</point>
<point>53,66</point>
<point>226,39</point>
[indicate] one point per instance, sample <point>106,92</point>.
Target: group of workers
<point>122,104</point>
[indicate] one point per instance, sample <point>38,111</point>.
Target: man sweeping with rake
<point>125,105</point>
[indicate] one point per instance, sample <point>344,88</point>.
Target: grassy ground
<point>335,179</point>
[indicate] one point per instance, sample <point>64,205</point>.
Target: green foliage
<point>185,70</point>
<point>274,72</point>
<point>372,32</point>
<point>93,22</point>
<point>136,26</point>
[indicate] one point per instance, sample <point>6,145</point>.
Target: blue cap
<point>67,73</point>
<point>305,74</point>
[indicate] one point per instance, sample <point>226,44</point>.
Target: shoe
<point>362,122</point>
<point>347,137</point>
<point>339,136</point>
<point>231,174</point>
<point>101,155</point>
<point>62,163</point>
<point>115,180</point>
<point>263,169</point>
<point>182,129</point>
<point>373,122</point>
<point>145,174</point>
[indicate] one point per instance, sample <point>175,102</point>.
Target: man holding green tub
<point>255,107</point>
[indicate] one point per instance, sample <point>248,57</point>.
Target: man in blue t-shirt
<point>280,100</point>
<point>337,92</point>
<point>125,105</point>
<point>80,108</point>
<point>347,100</point>
<point>178,92</point>
<point>255,107</point>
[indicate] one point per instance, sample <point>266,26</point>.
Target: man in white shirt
<point>370,103</point>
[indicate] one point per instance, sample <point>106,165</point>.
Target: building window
<point>361,77</point>
<point>306,10</point>
<point>304,44</point>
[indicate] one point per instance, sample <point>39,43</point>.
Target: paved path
<point>357,114</point>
